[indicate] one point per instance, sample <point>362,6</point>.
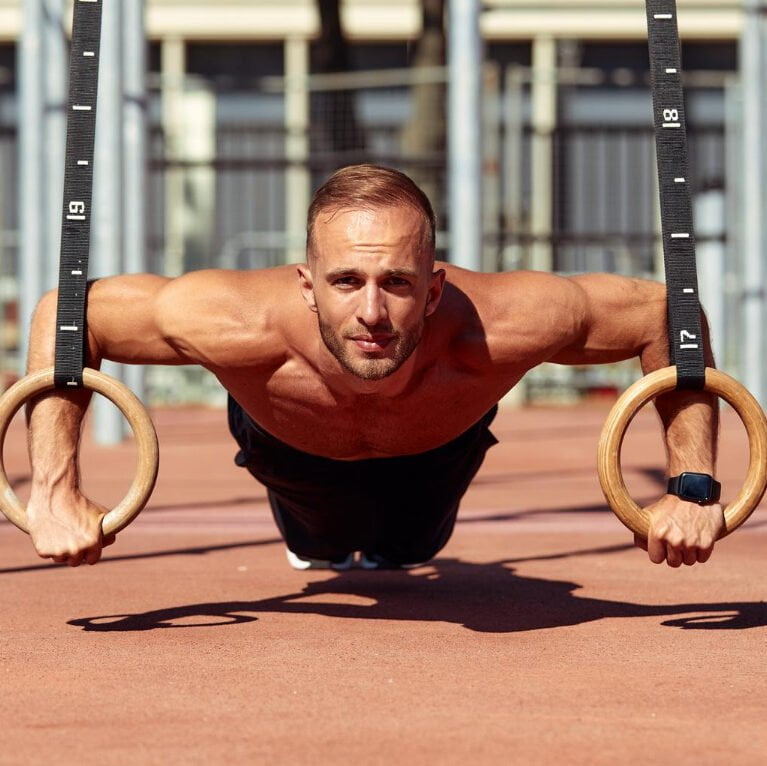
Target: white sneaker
<point>297,562</point>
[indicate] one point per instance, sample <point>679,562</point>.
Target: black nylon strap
<point>684,317</point>
<point>71,327</point>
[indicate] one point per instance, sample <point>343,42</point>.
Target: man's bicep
<point>621,317</point>
<point>126,317</point>
<point>533,317</point>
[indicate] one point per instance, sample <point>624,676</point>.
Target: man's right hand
<point>67,529</point>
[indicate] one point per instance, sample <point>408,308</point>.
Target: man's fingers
<point>109,540</point>
<point>92,555</point>
<point>73,554</point>
<point>690,556</point>
<point>640,542</point>
<point>656,549</point>
<point>673,556</point>
<point>682,532</point>
<point>704,554</point>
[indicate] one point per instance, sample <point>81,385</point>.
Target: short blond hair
<point>372,186</point>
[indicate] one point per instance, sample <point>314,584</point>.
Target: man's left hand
<point>681,532</point>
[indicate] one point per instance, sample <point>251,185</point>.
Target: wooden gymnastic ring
<point>133,410</point>
<point>634,398</point>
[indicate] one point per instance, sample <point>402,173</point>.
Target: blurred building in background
<point>247,118</point>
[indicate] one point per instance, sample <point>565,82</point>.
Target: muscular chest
<point>306,414</point>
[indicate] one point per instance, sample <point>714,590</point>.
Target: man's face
<point>371,287</point>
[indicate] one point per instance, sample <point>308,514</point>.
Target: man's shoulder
<point>495,293</point>
<point>236,280</point>
<point>516,318</point>
<point>232,316</point>
<point>227,290</point>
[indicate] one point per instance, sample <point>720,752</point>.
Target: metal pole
<point>464,133</point>
<point>512,167</point>
<point>491,161</point>
<point>56,62</point>
<point>173,77</point>
<point>513,99</point>
<point>134,157</point>
<point>753,59</point>
<point>297,177</point>
<point>106,234</point>
<point>710,227</point>
<point>733,216</point>
<point>31,199</point>
<point>544,107</point>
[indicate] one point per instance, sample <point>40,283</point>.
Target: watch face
<point>695,486</point>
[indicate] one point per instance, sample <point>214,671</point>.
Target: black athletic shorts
<point>401,509</point>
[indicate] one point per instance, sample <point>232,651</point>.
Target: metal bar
<point>513,163</point>
<point>711,258</point>
<point>491,160</point>
<point>135,154</point>
<point>753,60</point>
<point>464,134</point>
<point>107,241</point>
<point>544,117</point>
<point>173,74</point>
<point>55,60</point>
<point>734,226</point>
<point>297,176</point>
<point>381,78</point>
<point>31,198</point>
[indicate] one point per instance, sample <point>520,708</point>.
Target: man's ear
<point>306,285</point>
<point>435,291</point>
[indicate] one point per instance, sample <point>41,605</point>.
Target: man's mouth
<point>372,343</point>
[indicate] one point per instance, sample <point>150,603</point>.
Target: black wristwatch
<point>696,487</point>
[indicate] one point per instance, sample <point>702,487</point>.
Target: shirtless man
<point>363,382</point>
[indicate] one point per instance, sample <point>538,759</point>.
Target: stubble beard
<point>372,367</point>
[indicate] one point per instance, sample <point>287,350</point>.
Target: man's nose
<point>372,309</point>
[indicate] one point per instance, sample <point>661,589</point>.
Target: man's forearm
<point>690,418</point>
<point>691,424</point>
<point>54,418</point>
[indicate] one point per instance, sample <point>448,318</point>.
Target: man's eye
<point>344,281</point>
<point>398,282</point>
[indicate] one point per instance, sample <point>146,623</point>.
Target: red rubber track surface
<point>539,634</point>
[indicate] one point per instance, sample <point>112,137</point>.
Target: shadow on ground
<point>199,550</point>
<point>487,598</point>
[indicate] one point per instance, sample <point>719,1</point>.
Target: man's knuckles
<point>704,555</point>
<point>658,558</point>
<point>57,550</point>
<point>690,556</point>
